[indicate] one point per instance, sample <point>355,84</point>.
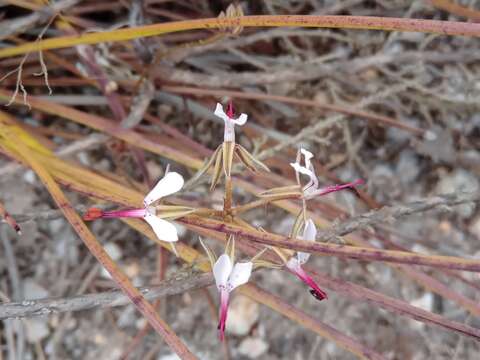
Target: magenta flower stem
<point>223,314</point>
<point>333,188</point>
<point>128,213</point>
<point>316,292</point>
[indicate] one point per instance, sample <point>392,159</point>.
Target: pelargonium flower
<point>164,230</point>
<point>228,276</point>
<point>225,152</point>
<point>230,122</point>
<point>312,188</point>
<point>294,264</point>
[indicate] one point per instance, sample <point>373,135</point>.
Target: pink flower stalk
<point>312,188</point>
<point>228,277</point>
<point>295,263</point>
<point>164,230</point>
<point>230,122</point>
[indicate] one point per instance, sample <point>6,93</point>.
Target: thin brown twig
<point>385,120</point>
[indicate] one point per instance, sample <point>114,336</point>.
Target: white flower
<point>164,230</point>
<point>171,183</point>
<point>228,276</point>
<point>312,188</point>
<point>230,122</point>
<point>294,264</point>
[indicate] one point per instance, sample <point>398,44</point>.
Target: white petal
<point>240,274</point>
<point>241,120</point>
<point>310,231</point>
<point>220,113</point>
<point>171,183</point>
<point>302,170</point>
<point>222,270</point>
<point>308,155</point>
<point>293,264</point>
<point>309,234</point>
<point>164,230</point>
<point>302,257</point>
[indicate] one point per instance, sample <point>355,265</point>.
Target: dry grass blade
<point>346,22</point>
<point>104,125</point>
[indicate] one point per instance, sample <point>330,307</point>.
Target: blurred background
<point>398,109</point>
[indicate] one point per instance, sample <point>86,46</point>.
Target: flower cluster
<point>228,273</point>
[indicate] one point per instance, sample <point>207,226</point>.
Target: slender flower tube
<point>228,277</point>
<point>164,230</point>
<point>295,263</point>
<point>312,188</point>
<point>230,121</point>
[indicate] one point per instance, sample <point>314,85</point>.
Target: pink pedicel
<point>334,188</point>
<point>95,213</point>
<point>315,290</point>
<point>224,295</point>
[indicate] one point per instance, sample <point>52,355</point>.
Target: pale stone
<point>242,314</point>
<point>253,347</point>
<point>424,302</point>
<point>33,291</point>
<point>113,250</point>
<point>37,330</point>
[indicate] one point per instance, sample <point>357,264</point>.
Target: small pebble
<point>113,250</point>
<point>253,347</point>
<point>242,314</point>
<point>37,329</point>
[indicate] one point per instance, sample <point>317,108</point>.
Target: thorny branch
<point>174,286</point>
<point>374,217</point>
<point>388,214</point>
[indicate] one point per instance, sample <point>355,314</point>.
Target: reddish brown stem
<point>350,252</point>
